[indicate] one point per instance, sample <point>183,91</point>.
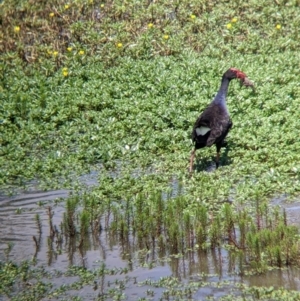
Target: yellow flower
<point>65,71</point>
<point>51,15</point>
<point>81,52</point>
<point>166,37</point>
<point>67,6</point>
<point>69,49</point>
<point>16,29</point>
<point>193,17</point>
<point>278,26</point>
<point>55,53</point>
<point>49,52</point>
<point>119,45</point>
<point>229,26</point>
<point>102,5</point>
<point>234,20</point>
<point>150,25</point>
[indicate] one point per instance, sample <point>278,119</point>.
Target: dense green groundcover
<point>115,86</point>
<point>141,113</point>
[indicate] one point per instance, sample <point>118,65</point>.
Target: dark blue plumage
<point>213,125</point>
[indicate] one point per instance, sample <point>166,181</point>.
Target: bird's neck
<point>220,98</point>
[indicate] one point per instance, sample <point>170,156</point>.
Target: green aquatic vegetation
<point>114,88</point>
<point>84,222</point>
<point>151,131</point>
<point>257,239</point>
<point>69,224</point>
<point>164,287</point>
<point>13,275</point>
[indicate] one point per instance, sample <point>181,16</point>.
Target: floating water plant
<point>112,90</point>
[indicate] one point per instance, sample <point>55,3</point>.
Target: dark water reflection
<point>18,225</point>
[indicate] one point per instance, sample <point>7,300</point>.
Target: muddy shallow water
<point>18,225</point>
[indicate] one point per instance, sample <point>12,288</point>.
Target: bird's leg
<point>192,159</point>
<point>217,159</point>
<point>219,145</point>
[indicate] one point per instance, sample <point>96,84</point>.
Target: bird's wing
<point>201,128</point>
<point>211,125</point>
<point>219,130</point>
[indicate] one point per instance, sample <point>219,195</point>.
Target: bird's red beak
<point>247,83</point>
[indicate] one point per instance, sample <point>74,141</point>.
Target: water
<point>18,225</point>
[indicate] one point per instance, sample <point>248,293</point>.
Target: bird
<point>214,123</point>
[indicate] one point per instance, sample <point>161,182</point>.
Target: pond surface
<point>18,225</point>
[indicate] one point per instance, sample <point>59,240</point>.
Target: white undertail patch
<point>202,130</point>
